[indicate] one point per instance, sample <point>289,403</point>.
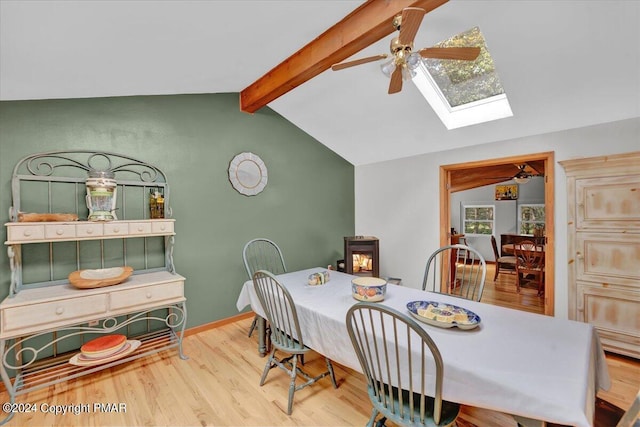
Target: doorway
<point>468,175</point>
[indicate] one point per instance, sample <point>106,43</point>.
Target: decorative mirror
<point>248,174</point>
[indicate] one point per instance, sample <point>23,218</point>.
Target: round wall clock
<point>248,174</point>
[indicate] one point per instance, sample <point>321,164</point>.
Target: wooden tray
<point>87,279</point>
<point>46,217</point>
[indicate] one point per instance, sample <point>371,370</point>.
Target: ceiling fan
<point>402,60</point>
<point>521,177</point>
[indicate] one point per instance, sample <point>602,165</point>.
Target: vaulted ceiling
<point>564,64</point>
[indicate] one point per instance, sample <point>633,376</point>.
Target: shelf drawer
<point>116,228</point>
<point>139,228</point>
<point>46,314</point>
<point>148,295</point>
<point>162,227</point>
<point>89,229</point>
<point>22,233</point>
<point>60,231</point>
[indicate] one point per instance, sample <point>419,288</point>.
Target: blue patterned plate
<point>443,315</point>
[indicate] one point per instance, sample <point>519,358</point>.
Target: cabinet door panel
<point>608,258</point>
<point>614,312</point>
<point>608,202</point>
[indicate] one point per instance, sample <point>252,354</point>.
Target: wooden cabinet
<point>43,323</point>
<point>603,213</point>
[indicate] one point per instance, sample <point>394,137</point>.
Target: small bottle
<point>156,205</point>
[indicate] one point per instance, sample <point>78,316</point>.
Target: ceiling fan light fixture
<point>521,179</point>
<point>388,67</point>
<point>404,64</point>
<point>408,73</point>
<point>413,60</point>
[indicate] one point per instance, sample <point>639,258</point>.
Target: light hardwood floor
<point>218,386</point>
<point>503,292</point>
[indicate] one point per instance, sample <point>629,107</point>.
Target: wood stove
<point>362,256</point>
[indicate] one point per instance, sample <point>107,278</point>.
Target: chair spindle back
<point>459,270</point>
<point>385,342</point>
<point>280,311</point>
<point>263,254</point>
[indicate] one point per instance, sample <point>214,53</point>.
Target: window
<point>530,217</point>
<point>478,219</point>
<point>463,93</point>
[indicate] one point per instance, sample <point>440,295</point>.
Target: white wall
<point>398,200</point>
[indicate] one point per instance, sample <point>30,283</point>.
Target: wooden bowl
<point>87,279</point>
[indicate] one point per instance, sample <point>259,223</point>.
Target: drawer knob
<point>90,231</point>
<point>140,228</point>
<point>116,230</point>
<point>59,310</point>
<point>59,231</point>
<point>149,294</point>
<point>27,233</point>
<point>162,227</point>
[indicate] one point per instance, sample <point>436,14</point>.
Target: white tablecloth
<point>515,362</point>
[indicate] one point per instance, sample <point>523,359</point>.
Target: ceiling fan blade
<point>395,85</point>
<point>411,20</point>
<point>537,172</point>
<point>462,53</point>
<point>343,65</point>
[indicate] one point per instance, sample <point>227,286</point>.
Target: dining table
<point>537,368</point>
<point>510,248</point>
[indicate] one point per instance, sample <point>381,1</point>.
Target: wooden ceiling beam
<point>364,26</point>
<point>482,173</point>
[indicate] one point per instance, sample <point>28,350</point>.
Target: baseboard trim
<point>218,323</point>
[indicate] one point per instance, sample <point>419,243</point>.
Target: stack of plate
<point>104,349</point>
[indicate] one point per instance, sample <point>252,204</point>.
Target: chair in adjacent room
<point>402,365</point>
<point>286,335</point>
<point>530,264</point>
<point>262,254</point>
<point>504,264</point>
<point>457,270</point>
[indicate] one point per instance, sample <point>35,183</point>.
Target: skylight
<point>463,93</point>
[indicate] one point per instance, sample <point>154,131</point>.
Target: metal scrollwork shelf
<point>45,320</point>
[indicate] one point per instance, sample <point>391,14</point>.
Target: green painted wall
<point>307,207</point>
